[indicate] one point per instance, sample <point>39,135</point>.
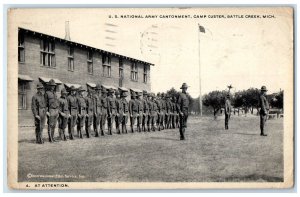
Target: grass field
<point>209,154</point>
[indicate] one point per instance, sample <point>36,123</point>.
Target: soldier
<point>139,103</point>
<point>183,109</point>
<point>154,112</point>
<point>82,111</point>
<point>123,111</point>
<point>52,105</point>
<point>169,113</point>
<point>159,111</point>
<point>149,104</point>
<point>98,110</point>
<point>38,107</point>
<point>111,112</point>
<point>89,112</point>
<point>227,110</point>
<point>73,110</point>
<point>164,111</point>
<point>104,104</point>
<point>264,109</point>
<point>175,114</point>
<point>64,114</point>
<point>119,111</point>
<point>133,110</point>
<point>145,111</point>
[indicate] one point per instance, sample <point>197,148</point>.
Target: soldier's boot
<point>118,129</point>
<point>88,132</point>
<point>49,136</point>
<point>96,132</point>
<point>80,133</point>
<point>131,126</point>
<point>52,134</point>
<point>109,130</point>
<point>262,132</point>
<point>148,128</point>
<point>64,138</point>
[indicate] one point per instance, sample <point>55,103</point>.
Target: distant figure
<point>183,109</point>
<point>264,109</point>
<point>38,107</point>
<point>227,110</point>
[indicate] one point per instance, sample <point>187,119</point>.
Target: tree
<point>215,99</point>
<point>276,100</point>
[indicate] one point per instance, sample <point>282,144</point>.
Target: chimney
<point>67,29</point>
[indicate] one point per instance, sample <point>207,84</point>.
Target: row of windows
<point>47,59</point>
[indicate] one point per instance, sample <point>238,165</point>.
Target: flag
<point>201,28</point>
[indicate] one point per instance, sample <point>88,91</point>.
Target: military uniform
<point>163,111</point>
<point>89,113</point>
<point>64,114</point>
<point>264,110</point>
<point>133,110</point>
<point>145,112</point>
<point>159,111</point>
<point>227,111</point>
<point>168,116</point>
<point>111,112</point>
<point>73,110</point>
<point>139,103</point>
<point>38,107</point>
<point>52,105</point>
<point>98,110</point>
<point>183,109</point>
<point>123,111</point>
<point>153,112</point>
<point>104,104</point>
<point>119,112</point>
<point>82,111</point>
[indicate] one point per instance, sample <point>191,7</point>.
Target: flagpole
<point>200,96</point>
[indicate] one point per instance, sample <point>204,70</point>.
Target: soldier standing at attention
<point>175,114</point>
<point>38,107</point>
<point>183,110</point>
<point>145,111</point>
<point>168,112</point>
<point>82,111</point>
<point>133,110</point>
<point>154,112</point>
<point>123,111</point>
<point>89,112</point>
<point>64,114</point>
<point>139,103</point>
<point>159,111</point>
<point>264,109</point>
<point>227,110</point>
<point>104,104</point>
<point>163,107</point>
<point>119,111</point>
<point>52,105</point>
<point>73,110</point>
<point>149,104</point>
<point>111,112</point>
<point>97,113</point>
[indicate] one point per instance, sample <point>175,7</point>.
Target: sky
<point>244,52</point>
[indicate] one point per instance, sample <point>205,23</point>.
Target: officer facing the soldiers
<point>145,112</point>
<point>73,110</point>
<point>104,104</point>
<point>38,107</point>
<point>111,113</point>
<point>97,112</point>
<point>264,109</point>
<point>89,112</point>
<point>119,111</point>
<point>227,110</point>
<point>183,109</point>
<point>52,105</point>
<point>82,110</point>
<point>139,103</point>
<point>123,111</point>
<point>64,114</point>
<point>133,110</point>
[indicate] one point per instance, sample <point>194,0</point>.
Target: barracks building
<point>42,57</point>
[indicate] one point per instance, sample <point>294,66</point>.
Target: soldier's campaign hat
<point>39,86</point>
<point>64,91</point>
<point>145,92</point>
<point>158,94</point>
<point>98,86</point>
<point>138,93</point>
<point>184,85</point>
<point>124,94</point>
<point>228,95</point>
<point>52,83</point>
<point>80,89</point>
<point>133,94</point>
<point>117,92</point>
<point>72,88</point>
<point>162,94</point>
<point>263,88</point>
<point>110,90</point>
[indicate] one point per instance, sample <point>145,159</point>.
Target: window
<point>21,47</point>
<point>145,73</point>
<point>121,69</point>
<point>47,57</point>
<point>90,62</point>
<point>106,64</point>
<point>71,58</point>
<point>134,71</point>
<point>22,96</point>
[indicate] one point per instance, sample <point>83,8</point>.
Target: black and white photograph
<point>152,98</point>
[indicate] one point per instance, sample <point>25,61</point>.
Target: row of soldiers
<point>86,113</point>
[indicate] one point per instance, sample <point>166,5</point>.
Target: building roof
<point>83,45</point>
